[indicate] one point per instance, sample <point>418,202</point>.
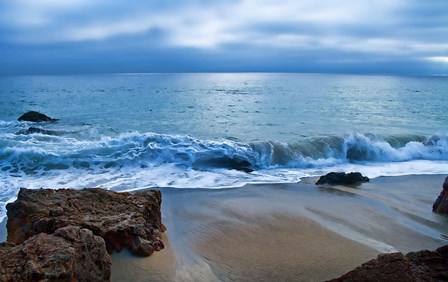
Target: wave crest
<point>33,153</point>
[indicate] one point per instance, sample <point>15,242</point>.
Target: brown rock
<point>70,254</point>
<point>341,178</point>
<point>429,265</point>
<point>415,266</point>
<point>386,267</point>
<point>441,203</point>
<point>122,219</point>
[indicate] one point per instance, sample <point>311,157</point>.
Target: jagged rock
<point>34,116</point>
<point>341,178</point>
<point>415,266</point>
<point>121,219</point>
<point>70,254</point>
<point>386,267</point>
<point>441,203</point>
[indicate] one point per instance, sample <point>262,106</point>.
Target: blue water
<point>134,131</point>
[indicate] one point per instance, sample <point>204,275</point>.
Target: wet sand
<point>276,232</point>
<point>288,231</point>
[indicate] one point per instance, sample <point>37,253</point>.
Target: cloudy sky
<point>103,36</point>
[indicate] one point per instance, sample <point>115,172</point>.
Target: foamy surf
<point>82,157</point>
<point>36,152</point>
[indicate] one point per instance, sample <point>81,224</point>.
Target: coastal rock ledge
<point>441,203</point>
<point>415,266</point>
<point>69,254</point>
<point>121,219</point>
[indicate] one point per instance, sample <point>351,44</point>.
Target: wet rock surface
<point>69,254</point>
<point>415,266</point>
<point>441,203</point>
<point>341,178</point>
<point>121,219</point>
<point>34,116</point>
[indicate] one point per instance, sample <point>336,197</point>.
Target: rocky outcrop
<point>441,203</point>
<point>341,178</point>
<point>34,116</point>
<point>69,254</point>
<point>121,219</point>
<point>415,266</point>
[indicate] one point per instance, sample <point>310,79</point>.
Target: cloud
<point>329,30</point>
<point>439,59</point>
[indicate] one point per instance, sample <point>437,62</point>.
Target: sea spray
<point>38,153</point>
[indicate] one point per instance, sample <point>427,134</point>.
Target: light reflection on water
<point>248,107</point>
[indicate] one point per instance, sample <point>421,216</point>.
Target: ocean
<point>127,132</point>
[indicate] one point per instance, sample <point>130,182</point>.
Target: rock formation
<point>121,219</point>
<point>69,254</point>
<point>34,116</point>
<point>341,178</point>
<point>415,266</point>
<point>441,203</point>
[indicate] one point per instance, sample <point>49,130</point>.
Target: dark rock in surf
<point>69,254</point>
<point>34,116</point>
<point>38,130</point>
<point>441,203</point>
<point>242,166</point>
<point>341,178</point>
<point>414,266</point>
<point>121,219</point>
<point>223,162</point>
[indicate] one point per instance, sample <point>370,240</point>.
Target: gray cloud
<point>248,35</point>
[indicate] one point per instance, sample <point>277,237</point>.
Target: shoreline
<point>287,231</point>
<point>299,231</point>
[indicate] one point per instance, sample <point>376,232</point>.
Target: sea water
<point>135,131</point>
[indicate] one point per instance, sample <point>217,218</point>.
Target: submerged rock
<point>243,165</point>
<point>224,162</point>
<point>121,219</point>
<point>34,130</point>
<point>34,116</point>
<point>70,254</point>
<point>415,266</point>
<point>341,178</point>
<point>441,203</point>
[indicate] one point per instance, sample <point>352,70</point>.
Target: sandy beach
<point>286,232</point>
<point>298,232</point>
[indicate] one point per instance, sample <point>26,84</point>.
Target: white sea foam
<point>132,161</point>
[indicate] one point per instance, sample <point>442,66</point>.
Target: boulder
<point>415,266</point>
<point>341,178</point>
<point>69,254</point>
<point>121,219</point>
<point>441,203</point>
<point>34,116</point>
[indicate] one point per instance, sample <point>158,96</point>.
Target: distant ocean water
<point>135,131</point>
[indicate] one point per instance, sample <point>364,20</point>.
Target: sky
<point>103,36</point>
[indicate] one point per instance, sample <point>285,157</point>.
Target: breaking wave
<point>38,153</point>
